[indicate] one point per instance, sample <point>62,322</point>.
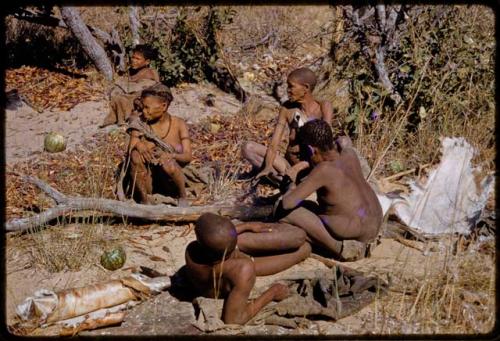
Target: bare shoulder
<point>325,170</point>
<point>178,121</point>
<point>325,105</point>
<point>238,269</point>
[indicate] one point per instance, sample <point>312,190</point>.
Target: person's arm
<point>135,143</point>
<point>275,141</point>
<point>312,183</point>
<point>237,309</point>
<point>186,155</point>
<point>253,226</point>
<point>327,111</point>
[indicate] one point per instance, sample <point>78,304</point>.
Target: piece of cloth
<point>324,294</point>
<point>333,294</point>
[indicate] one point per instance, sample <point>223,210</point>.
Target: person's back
<point>216,268</point>
<point>348,195</point>
<point>347,210</point>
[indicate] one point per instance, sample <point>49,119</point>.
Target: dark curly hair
<point>317,133</point>
<point>158,90</point>
<point>147,51</point>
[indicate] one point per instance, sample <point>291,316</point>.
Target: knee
<point>305,250</point>
<point>170,167</point>
<point>301,236</point>
<point>247,149</point>
<point>136,158</point>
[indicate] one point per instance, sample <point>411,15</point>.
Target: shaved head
<point>216,233</point>
<point>304,76</point>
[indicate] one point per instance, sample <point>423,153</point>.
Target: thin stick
<point>400,174</point>
<point>409,243</point>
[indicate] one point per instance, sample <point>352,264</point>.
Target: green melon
<point>113,259</point>
<point>54,142</point>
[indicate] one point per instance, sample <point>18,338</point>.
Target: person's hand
<point>281,292</point>
<point>165,158</point>
<point>264,172</point>
<point>259,227</point>
<point>296,169</point>
<point>144,151</point>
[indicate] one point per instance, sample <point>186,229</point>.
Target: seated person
<point>126,89</point>
<point>348,209</point>
<point>159,146</point>
<point>300,108</point>
<point>217,267</point>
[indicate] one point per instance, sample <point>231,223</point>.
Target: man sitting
<point>217,267</point>
<point>300,108</point>
<point>348,214</point>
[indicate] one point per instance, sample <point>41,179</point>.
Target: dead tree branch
<point>133,16</point>
<point>71,17</point>
<point>377,38</point>
<point>69,204</point>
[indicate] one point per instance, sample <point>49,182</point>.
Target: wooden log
<point>67,205</point>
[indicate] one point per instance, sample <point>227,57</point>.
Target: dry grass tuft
<point>454,294</point>
<point>67,249</point>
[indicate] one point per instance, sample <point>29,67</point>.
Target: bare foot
<point>352,250</point>
<point>183,202</point>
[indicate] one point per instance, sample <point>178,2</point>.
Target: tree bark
<point>71,17</point>
<point>134,25</point>
<point>67,205</point>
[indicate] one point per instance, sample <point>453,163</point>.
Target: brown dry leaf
<point>157,259</point>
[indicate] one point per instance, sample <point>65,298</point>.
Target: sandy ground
<point>167,243</point>
<point>160,247</point>
<point>26,128</point>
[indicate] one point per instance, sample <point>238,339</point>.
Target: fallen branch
<point>409,243</point>
<point>68,204</point>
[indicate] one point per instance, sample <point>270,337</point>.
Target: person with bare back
<point>348,215</point>
<point>300,108</point>
<point>127,89</point>
<point>159,146</point>
<point>218,262</point>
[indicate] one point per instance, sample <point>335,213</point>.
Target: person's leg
<point>314,228</point>
<point>269,265</point>
<point>255,154</point>
<point>342,227</point>
<point>141,178</point>
<point>172,168</point>
<point>124,107</point>
<point>273,237</point>
<point>111,117</point>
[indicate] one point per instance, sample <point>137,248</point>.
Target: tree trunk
<point>134,25</point>
<point>71,17</point>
